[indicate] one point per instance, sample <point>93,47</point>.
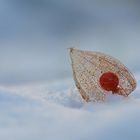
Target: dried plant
<point>96,74</point>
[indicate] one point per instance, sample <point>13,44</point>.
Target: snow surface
<point>34,37</point>
<point>55,111</point>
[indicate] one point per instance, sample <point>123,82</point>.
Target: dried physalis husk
<point>97,74</point>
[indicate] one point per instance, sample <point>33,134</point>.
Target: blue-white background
<point>38,99</point>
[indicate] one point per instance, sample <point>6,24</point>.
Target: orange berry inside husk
<point>109,81</point>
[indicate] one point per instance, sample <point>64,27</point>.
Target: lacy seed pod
<point>96,74</point>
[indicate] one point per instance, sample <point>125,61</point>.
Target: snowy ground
<point>55,111</point>
<point>34,38</point>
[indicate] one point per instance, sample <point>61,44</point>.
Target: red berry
<point>109,81</point>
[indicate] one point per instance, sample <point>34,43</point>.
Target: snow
<point>38,98</point>
<point>52,111</point>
